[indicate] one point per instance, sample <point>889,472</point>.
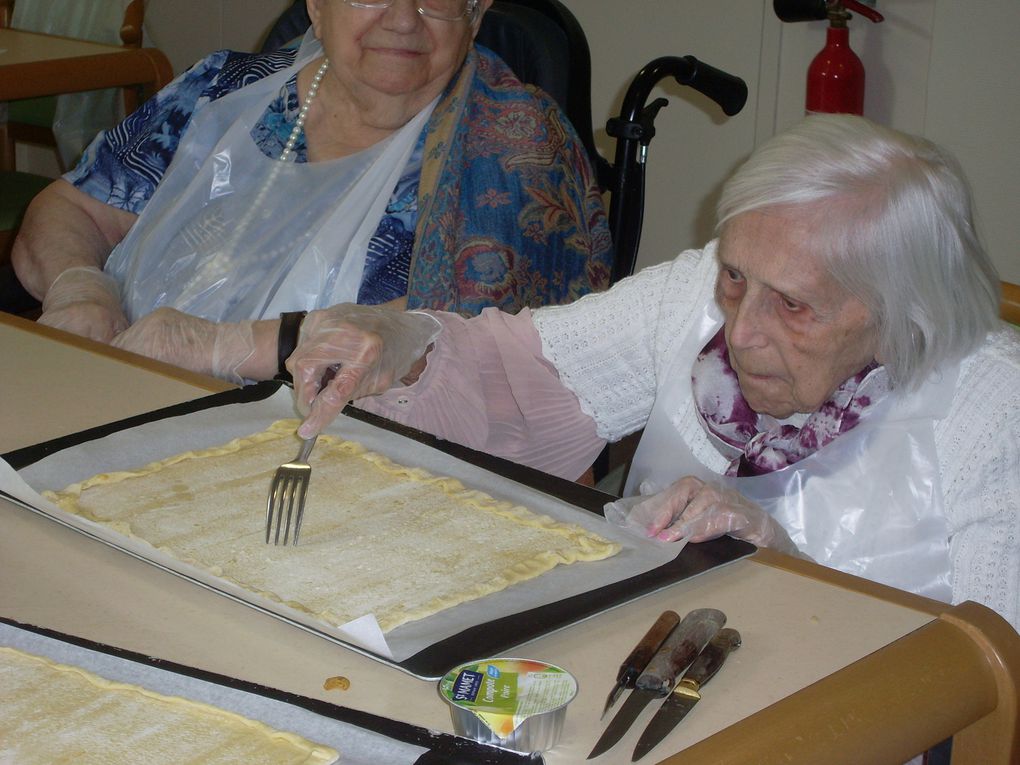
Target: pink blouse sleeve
<point>487,386</point>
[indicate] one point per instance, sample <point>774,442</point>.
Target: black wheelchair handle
<point>801,10</point>
<point>727,90</point>
<point>635,128</point>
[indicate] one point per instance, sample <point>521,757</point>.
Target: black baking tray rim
<point>492,638</point>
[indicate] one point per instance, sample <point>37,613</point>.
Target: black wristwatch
<point>290,325</point>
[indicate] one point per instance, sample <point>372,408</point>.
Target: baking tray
<point>437,747</point>
<point>497,636</point>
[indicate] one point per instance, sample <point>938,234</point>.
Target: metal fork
<point>290,485</point>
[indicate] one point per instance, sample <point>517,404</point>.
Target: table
<point>33,64</point>
<point>137,390</point>
<point>833,669</point>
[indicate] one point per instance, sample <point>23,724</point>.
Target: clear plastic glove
<point>85,301</point>
<point>619,511</point>
<point>187,341</point>
<point>697,511</point>
<point>372,348</point>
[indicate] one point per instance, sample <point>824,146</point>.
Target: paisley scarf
<point>509,212</point>
<point>766,445</point>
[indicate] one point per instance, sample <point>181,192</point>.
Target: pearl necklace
<point>299,124</point>
<point>216,267</point>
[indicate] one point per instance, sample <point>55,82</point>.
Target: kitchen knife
<point>688,691</point>
<point>641,655</point>
<point>659,678</point>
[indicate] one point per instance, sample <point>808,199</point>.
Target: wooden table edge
<point>145,67</point>
<point>907,688</point>
<point>69,38</point>
<point>196,379</point>
<point>846,581</point>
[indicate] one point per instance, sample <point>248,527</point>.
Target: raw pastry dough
<point>377,537</point>
<point>53,713</point>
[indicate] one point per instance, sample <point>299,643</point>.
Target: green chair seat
<point>16,191</point>
<point>33,111</point>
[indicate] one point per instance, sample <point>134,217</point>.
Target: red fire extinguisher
<point>835,78</point>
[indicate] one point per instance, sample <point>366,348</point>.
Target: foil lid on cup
<point>519,704</point>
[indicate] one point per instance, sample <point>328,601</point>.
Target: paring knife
<point>688,691</point>
<point>659,678</point>
<point>641,655</point>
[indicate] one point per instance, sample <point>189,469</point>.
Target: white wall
<point>186,30</point>
<point>973,107</point>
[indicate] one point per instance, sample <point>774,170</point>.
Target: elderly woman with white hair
<point>828,378</point>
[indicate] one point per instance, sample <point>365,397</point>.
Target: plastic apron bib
<point>232,234</point>
<point>869,503</point>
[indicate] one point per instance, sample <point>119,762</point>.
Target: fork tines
<point>287,493</point>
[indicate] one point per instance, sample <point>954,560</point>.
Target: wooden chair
<point>138,72</point>
<point>30,120</point>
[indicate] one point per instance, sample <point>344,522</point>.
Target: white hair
<point>891,219</point>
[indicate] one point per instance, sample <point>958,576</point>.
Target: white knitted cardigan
<point>636,326</point>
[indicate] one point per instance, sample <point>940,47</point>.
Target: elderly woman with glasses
<point>387,160</point>
<point>829,377</point>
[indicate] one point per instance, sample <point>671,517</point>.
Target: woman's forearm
<point>65,228</point>
<point>262,364</point>
<point>486,385</point>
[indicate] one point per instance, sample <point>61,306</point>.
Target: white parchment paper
<point>163,438</point>
<point>356,745</point>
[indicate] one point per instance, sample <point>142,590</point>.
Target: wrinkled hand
<point>373,347</point>
<point>85,301</point>
<point>698,511</point>
<point>187,341</point>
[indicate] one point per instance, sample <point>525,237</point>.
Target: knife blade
<point>688,691</point>
<point>657,679</point>
<point>643,652</point>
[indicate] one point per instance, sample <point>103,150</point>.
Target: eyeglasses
<point>445,10</point>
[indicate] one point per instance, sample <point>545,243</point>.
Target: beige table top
<point>814,640</point>
<point>33,64</point>
<point>53,393</point>
<point>20,47</point>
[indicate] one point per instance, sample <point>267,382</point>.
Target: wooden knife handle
<point>680,649</point>
<point>645,650</point>
<point>712,657</point>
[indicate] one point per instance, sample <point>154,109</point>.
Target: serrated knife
<point>688,691</point>
<point>659,678</point>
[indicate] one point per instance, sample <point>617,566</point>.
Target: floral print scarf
<point>509,211</point>
<point>728,416</point>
